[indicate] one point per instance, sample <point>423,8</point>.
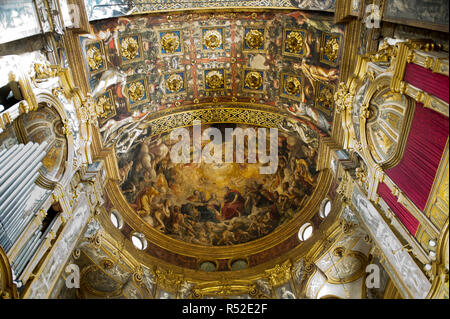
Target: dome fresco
<point>218,203</point>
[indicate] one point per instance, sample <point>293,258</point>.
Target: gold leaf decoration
<point>174,82</point>
<point>294,42</point>
<point>254,39</point>
<point>212,39</point>
<point>292,85</point>
<point>326,97</point>
<point>253,80</point>
<point>331,49</point>
<point>214,79</point>
<point>95,59</point>
<point>130,48</point>
<point>170,42</point>
<point>136,91</point>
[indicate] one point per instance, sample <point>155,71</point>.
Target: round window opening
<point>239,264</point>
<point>139,241</point>
<point>116,220</point>
<point>208,266</point>
<point>325,208</point>
<point>305,231</point>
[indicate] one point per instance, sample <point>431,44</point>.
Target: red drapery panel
<point>410,222</point>
<point>414,175</point>
<point>424,79</point>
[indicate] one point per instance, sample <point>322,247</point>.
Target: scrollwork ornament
<point>196,294</point>
<point>76,253</point>
<point>309,266</point>
<point>138,275</point>
<point>96,240</point>
<point>343,98</point>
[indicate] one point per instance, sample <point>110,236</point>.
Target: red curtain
<point>424,79</point>
<point>410,222</point>
<point>415,173</point>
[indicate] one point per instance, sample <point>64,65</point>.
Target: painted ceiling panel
<point>148,63</point>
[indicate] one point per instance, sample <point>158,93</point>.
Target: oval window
<point>305,231</point>
<point>139,241</point>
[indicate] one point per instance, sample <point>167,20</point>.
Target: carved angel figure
<point>186,289</point>
<point>264,286</point>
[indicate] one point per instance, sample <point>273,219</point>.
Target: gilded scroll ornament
<point>170,42</point>
<point>253,80</point>
<point>343,98</point>
<point>174,82</point>
<point>254,39</point>
<point>280,274</point>
<point>43,71</point>
<point>130,48</point>
<point>294,42</point>
<point>214,79</point>
<point>212,39</point>
<point>95,59</point>
<point>331,49</point>
<point>292,85</point>
<point>136,91</point>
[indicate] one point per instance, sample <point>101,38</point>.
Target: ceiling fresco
<point>145,63</point>
<point>153,73</point>
<point>217,203</point>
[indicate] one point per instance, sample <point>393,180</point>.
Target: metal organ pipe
<point>14,162</point>
<point>19,178</point>
<point>29,165</point>
<point>19,168</point>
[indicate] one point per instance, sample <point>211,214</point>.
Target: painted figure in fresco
<point>303,109</point>
<point>110,77</point>
<point>124,171</point>
<point>177,220</point>
<point>233,205</point>
<point>162,212</point>
<point>249,209</point>
<point>145,201</point>
<point>301,129</point>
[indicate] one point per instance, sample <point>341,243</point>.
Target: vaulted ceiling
<point>152,73</point>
